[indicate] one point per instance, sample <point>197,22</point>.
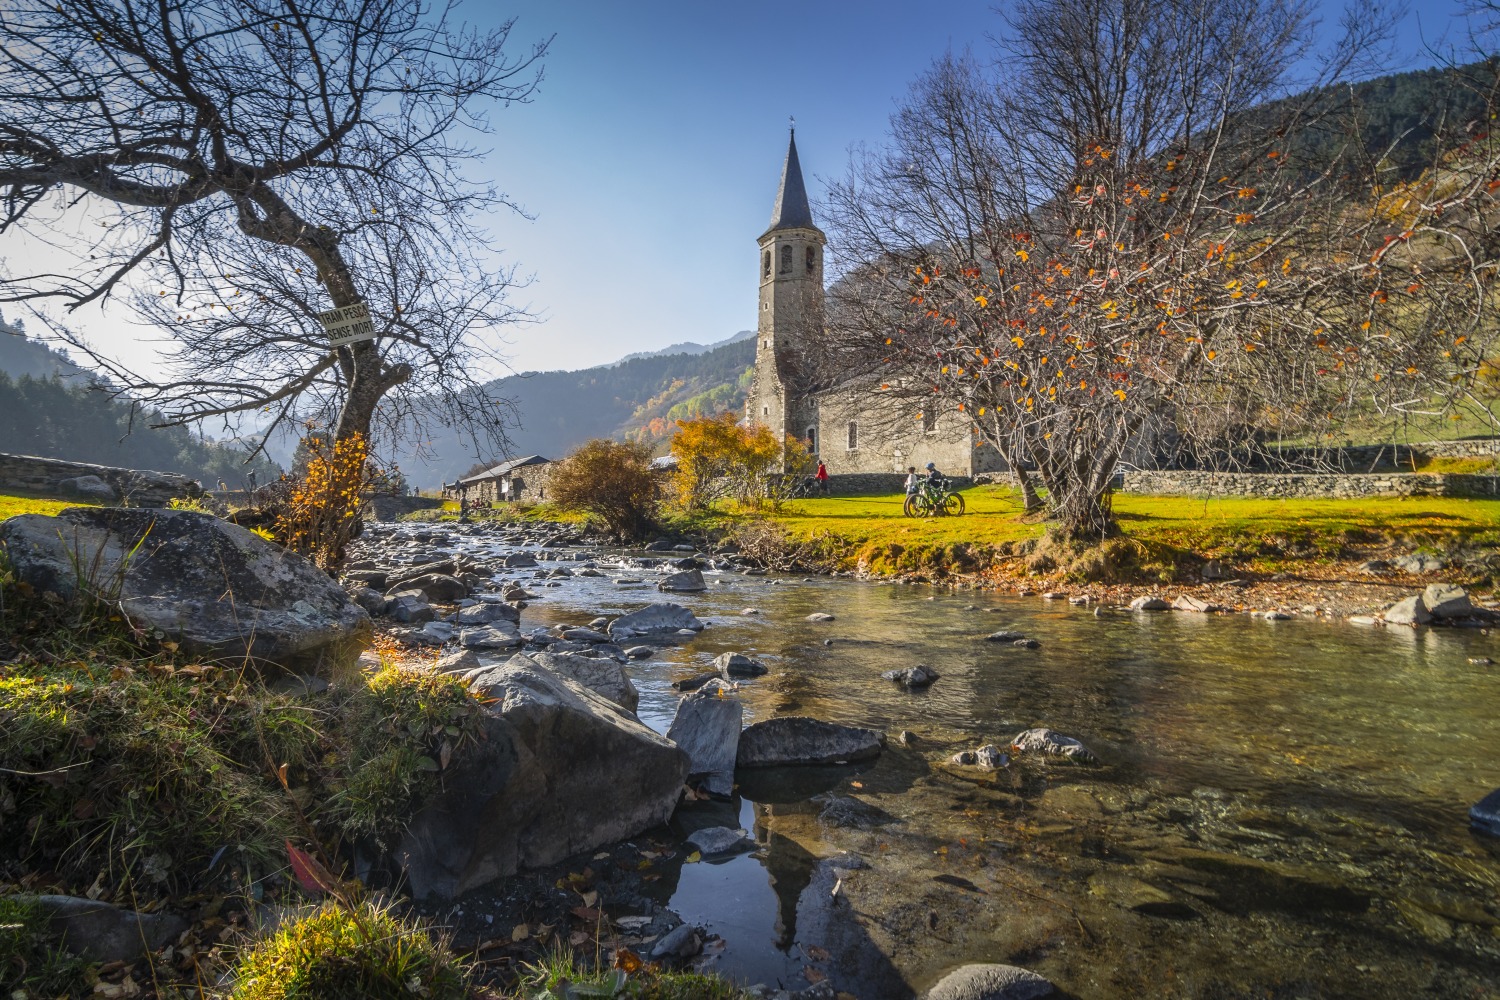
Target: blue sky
<point>651,154</point>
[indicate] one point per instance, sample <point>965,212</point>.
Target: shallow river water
<point>1279,811</point>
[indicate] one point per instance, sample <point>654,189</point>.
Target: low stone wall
<point>1315,485</point>
<point>861,484</point>
<point>44,477</point>
<point>385,507</point>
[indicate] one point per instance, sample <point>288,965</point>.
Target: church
<point>848,426</point>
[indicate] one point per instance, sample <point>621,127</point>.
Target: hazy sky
<point>649,158</point>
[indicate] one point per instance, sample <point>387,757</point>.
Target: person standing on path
<point>822,478</point>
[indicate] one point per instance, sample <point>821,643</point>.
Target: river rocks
<point>1419,563</point>
<point>1052,742</point>
<point>732,665</point>
<point>1148,603</point>
<point>989,757</point>
<point>695,682</point>
<point>560,770</point>
<point>490,637</point>
<point>487,613</point>
<point>584,635</point>
<point>654,618</point>
<point>214,587</point>
<point>1447,600</point>
<point>88,488</point>
<point>410,608</point>
<point>683,941</point>
<point>1005,635</point>
<point>707,727</point>
<point>1484,815</point>
<point>820,616</point>
<point>990,982</point>
<point>604,677</point>
<point>372,600</point>
<point>639,652</point>
<point>715,840</point>
<point>795,739</point>
<point>919,676</point>
<point>689,581</point>
<point>104,933</point>
<point>1408,611</point>
<point>437,587</point>
<point>1187,602</point>
<point>518,560</point>
<point>460,662</point>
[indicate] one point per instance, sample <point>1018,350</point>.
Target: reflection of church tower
<point>791,305</point>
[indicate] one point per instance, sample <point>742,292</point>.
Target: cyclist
<point>934,477</point>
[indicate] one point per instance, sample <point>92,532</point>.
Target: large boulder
<point>990,982</point>
<point>655,618</point>
<point>560,770</point>
<point>1408,611</point>
<point>1447,600</point>
<point>687,581</point>
<point>104,933</point>
<point>214,587</point>
<point>601,675</point>
<point>707,726</point>
<point>796,739</point>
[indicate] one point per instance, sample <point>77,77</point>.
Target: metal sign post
<point>348,324</point>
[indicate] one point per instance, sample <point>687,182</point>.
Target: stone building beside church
<point>848,426</point>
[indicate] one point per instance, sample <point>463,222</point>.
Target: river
<point>1279,811</point>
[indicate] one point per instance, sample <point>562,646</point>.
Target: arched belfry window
<point>786,260</point>
<point>812,260</point>
<point>853,435</point>
<point>765,265</point>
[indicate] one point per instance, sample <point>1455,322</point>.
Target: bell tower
<point>791,309</point>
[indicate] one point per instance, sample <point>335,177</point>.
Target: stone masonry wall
<point>137,487</point>
<point>1312,485</point>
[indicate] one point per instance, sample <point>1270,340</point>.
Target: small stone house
<point>516,480</point>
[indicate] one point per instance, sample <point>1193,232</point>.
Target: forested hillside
<point>65,417</point>
<point>639,399</point>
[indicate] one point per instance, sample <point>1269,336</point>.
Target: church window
<point>853,435</point>
<point>765,411</point>
<point>765,265</point>
<point>812,440</point>
<point>929,422</point>
<point>812,260</point>
<point>786,260</point>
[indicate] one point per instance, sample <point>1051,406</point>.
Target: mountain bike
<point>933,499</point>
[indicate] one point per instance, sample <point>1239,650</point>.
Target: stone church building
<point>847,426</point>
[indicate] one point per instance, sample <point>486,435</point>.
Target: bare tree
<point>243,166</point>
<point>1121,232</point>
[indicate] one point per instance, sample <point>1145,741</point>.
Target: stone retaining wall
<point>1315,485</point>
<point>385,507</point>
<point>855,484</point>
<point>43,477</point>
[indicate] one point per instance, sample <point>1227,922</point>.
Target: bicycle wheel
<point>953,504</point>
<point>912,506</point>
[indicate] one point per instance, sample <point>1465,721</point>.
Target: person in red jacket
<point>822,477</point>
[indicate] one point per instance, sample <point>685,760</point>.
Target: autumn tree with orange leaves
<point>1111,240</point>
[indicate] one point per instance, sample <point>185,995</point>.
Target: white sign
<point>348,324</point>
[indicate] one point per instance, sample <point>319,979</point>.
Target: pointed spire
<point>792,210</point>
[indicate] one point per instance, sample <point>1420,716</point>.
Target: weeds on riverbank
<point>30,964</point>
<point>560,975</point>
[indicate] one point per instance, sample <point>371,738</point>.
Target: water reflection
<point>1280,809</point>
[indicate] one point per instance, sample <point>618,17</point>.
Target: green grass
<point>550,979</point>
<point>10,506</point>
<point>30,964</point>
<point>872,533</point>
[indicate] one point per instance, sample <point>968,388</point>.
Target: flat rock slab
<point>820,616</point>
<point>1147,603</point>
<point>104,933</point>
<point>990,982</point>
<point>732,665</point>
<point>1408,611</point>
<point>1005,635</point>
<point>1447,600</point>
<point>1187,602</point>
<point>214,587</point>
<point>604,677</point>
<point>795,739</point>
<point>655,618</point>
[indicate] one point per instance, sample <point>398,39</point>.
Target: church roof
<point>792,210</point>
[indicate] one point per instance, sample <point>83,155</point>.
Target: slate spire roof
<point>792,210</point>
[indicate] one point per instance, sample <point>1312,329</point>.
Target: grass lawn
<point>874,530</point>
<point>11,506</point>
